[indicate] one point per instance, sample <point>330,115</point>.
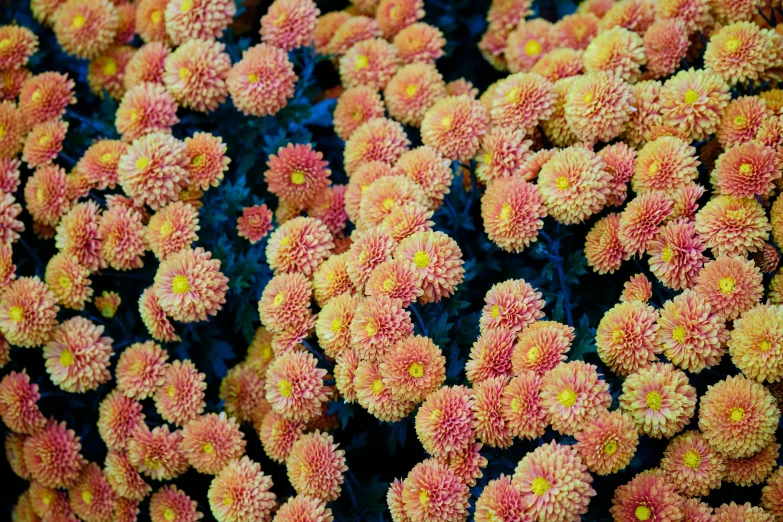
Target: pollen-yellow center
<point>47,497</point>
<point>388,203</point>
<point>183,73</point>
<point>185,5</point>
<point>610,447</point>
<point>36,96</point>
<point>66,358</point>
<point>727,284</point>
<point>227,500</point>
<point>764,346</point>
<point>562,183</point>
<point>166,228</point>
<point>488,158</point>
<point>416,370</point>
<point>532,48</point>
<point>252,78</point>
<point>5,43</point>
<point>746,168</point>
<point>284,387</point>
<point>494,311</point>
<point>733,45</point>
<point>736,414</point>
<point>371,328</point>
<point>618,336</point>
<point>534,354</point>
<point>411,90</point>
<point>44,140</point>
<point>678,334</point>
<point>539,486</point>
<point>361,62</point>
<point>389,285</point>
<point>421,259</point>
<point>155,17</point>
<point>3,132</point>
<point>446,122</point>
<point>78,22</point>
<point>281,19</point>
<point>16,313</point>
<point>65,282</point>
<point>110,67</point>
<point>40,194</point>
<point>740,120</point>
<point>171,390</point>
<point>667,254</point>
<point>567,398</point>
<point>692,459</point>
<point>377,387</point>
<point>691,96</point>
<point>279,298</point>
<point>505,212</point>
<point>588,98</point>
<point>424,497</point>
<point>643,513</point>
<point>169,514</point>
<point>180,285</point>
<point>337,325</point>
<point>516,405</point>
<point>513,95</point>
<point>208,448</point>
<point>197,160</point>
<point>87,497</point>
<point>654,400</point>
<point>297,177</point>
<point>142,163</point>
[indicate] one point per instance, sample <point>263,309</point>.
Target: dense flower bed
<point>393,260</point>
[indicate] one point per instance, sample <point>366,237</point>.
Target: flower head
<point>491,355</point>
<point>53,455</point>
<point>154,318</point>
<point>665,44</point>
<point>140,369</point>
<point>255,223</point>
<point>445,423</point>
<point>454,126</point>
<point>157,453</point>
<point>240,492</point>
<point>45,194</point>
<point>285,302</point>
<point>378,139</point>
<point>647,495</point>
<point>572,394</point>
<point>289,23</point>
<point>541,347</point>
<point>152,171</point>
<point>693,102</point>
<point>180,398</point>
<point>503,151</point>
<point>210,441</point>
<point>106,72</point>
<point>301,508</point>
<point>608,444</point>
<point>262,82</point>
<point>144,109</point>
<point>754,469</point>
<point>755,342</point>
<point>491,427</point>
<point>122,238</point>
<point>419,42</point>
<point>745,512</point>
<point>511,305</point>
<point>598,106</point>
<point>297,173</point>
<point>603,249</point>
<point>68,280</point>
<point>397,279</point>
<point>99,163</point>
<point>512,210</point>
<point>27,312</point>
<point>19,403</point>
<point>432,491</point>
<point>195,74</point>
<point>370,62</point>
<point>528,42</point>
<point>676,254</point>
<point>190,19</point>
<point>315,466</point>
<point>18,44</point>
<point>148,64</point>
<point>118,418</point>
<point>91,497</point>
<point>355,106</point>
<point>738,52</point>
<point>86,28</point>
<point>170,503</point>
<point>77,356</point>
<point>692,465</point>
<point>731,285</point>
<point>431,171</point>
<point>299,245</point>
<point>616,50</point>
<point>14,130</point>
<point>294,386</point>
<point>501,500</point>
<point>666,163</point>
<point>351,31</point>
<point>747,170</point>
<point>242,389</point>
<point>521,101</point>
<point>44,143</point>
<point>640,220</point>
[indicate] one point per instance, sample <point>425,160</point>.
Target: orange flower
<point>294,386</point>
<point>299,245</point>
<point>315,466</point>
<point>27,312</point>
<point>665,44</point>
<point>370,62</point>
<point>144,109</point>
<point>77,356</point>
<point>289,24</point>
<point>616,50</point>
<point>599,106</point>
<point>608,444</point>
<point>693,102</point>
<point>378,139</point>
<point>572,394</point>
<point>86,28</point>
<point>353,30</point>
<point>603,249</point>
<point>241,492</point>
<point>45,97</point>
<point>297,173</point>
<point>521,101</point>
<point>666,163</point>
<point>419,42</point>
<point>742,120</point>
<point>190,19</point>
<point>355,106</point>
<point>107,71</point>
<point>394,15</point>
<point>44,143</point>
<point>195,74</point>
<point>412,90</point>
<point>733,226</point>
<point>122,238</point>
<point>438,257</point>
<point>528,42</point>
<point>148,64</point>
<point>747,170</point>
<point>541,347</point>
<point>739,52</point>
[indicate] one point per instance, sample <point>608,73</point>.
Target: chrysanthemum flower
<point>647,495</point>
<point>10,226</point>
<point>23,509</point>
<point>289,24</point>
<point>412,90</point>
<point>493,46</point>
<point>660,400</point>
<point>209,442</point>
<point>170,503</point>
<point>68,280</point>
<point>7,274</point>
<point>45,97</point>
<point>122,238</point>
<point>393,15</point>
<point>731,285</point>
<point>347,362</point>
<point>742,120</point>
<point>91,497</point>
<point>53,455</point>
<point>86,28</point>
<point>432,491</point>
<point>608,444</point>
<point>491,427</point>
<point>406,220</point>
<point>144,109</point>
<point>302,508</point>
<point>571,394</point>
<point>189,285</point>
<point>616,50</point>
<point>438,258</point>
<point>503,151</point>
<point>44,143</point>
<point>299,245</point>
<point>254,223</point>
<point>172,228</point>
<point>242,391</point>
<point>329,207</point>
<point>603,249</point>
<point>556,128</point>
<point>772,494</point>
<point>14,454</point>
<point>11,81</point>
<point>241,492</point>
<point>278,435</point>
<point>140,369</point>
<point>636,15</point>
<point>521,101</point>
<point>157,453</point>
<point>355,106</point>
<point>467,463</point>
<point>665,44</point>
<point>325,27</point>
<point>646,117</point>
<point>152,171</point>
<point>419,42</point>
<point>520,406</point>
<point>9,176</point>
<point>18,404</point>
<point>99,163</point>
<point>118,417</point>
<point>694,510</point>
<point>154,318</point>
<point>379,322</point>
<point>14,130</point>
<point>48,503</point>
<point>432,172</point>
<point>285,302</point>
<point>45,194</point>
<point>511,305</point>
<point>315,466</point>
<point>150,22</point>
<point>528,42</point>
<point>378,139</point>
<point>676,254</point>
<point>126,25</point>
<point>686,201</point>
<point>554,483</point>
<point>203,19</point>
<point>501,499</point>
<point>732,226</point>
<point>360,181</point>
<point>126,510</point>
<point>334,321</point>
<point>491,355</point>
<point>370,62</point>
<point>297,173</point>
<point>574,185</point>
<point>693,102</point>
<point>454,126</point>
<point>599,106</point>
<point>739,52</point>
<point>27,312</point>
<point>413,368</point>
<point>744,512</point>
<point>180,398</point>
<point>77,357</point>
<point>694,13</point>
<point>692,465</point>
<point>640,220</point>
<point>147,65</point>
<point>397,279</point>
<point>445,423</point>
<point>384,195</point>
<point>754,469</point>
<point>747,170</point>
<point>331,279</point>
<point>18,44</point>
<point>395,502</point>
<point>195,74</point>
<point>738,417</point>
<point>755,343</point>
<point>350,32</point>
<point>666,163</point>
<point>260,352</point>
<point>107,71</point>
<point>541,347</point>
<point>559,64</point>
<point>294,385</point>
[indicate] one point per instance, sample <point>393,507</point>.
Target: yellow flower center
<point>424,497</point>
<point>166,228</point>
<point>208,448</point>
<point>5,43</point>
<point>36,96</point>
<point>421,259</point>
<point>252,78</point>
<point>516,405</point>
<point>155,17</point>
<point>142,163</point>
<point>279,298</point>
<point>736,414</point>
<point>180,285</point>
<point>87,497</point>
<point>78,22</point>
<point>562,183</point>
<point>691,96</point>
<point>298,177</point>
<point>643,513</point>
<point>66,358</point>
<point>377,387</point>
<point>371,328</point>
<point>267,353</point>
<point>765,346</point>
<point>198,160</point>
<point>388,285</point>
<point>610,447</point>
<point>47,497</point>
<point>678,334</point>
<point>488,158</point>
<point>416,370</point>
<point>337,325</point>
<point>745,168</point>
<point>40,194</point>
<point>618,336</point>
<point>284,387</point>
<point>171,391</point>
<point>285,241</point>
<point>505,212</point>
<point>446,122</point>
<point>227,500</point>
<point>185,6</point>
<point>152,462</point>
<point>107,157</point>
<point>358,115</point>
<point>494,311</point>
<point>588,98</point>
<point>539,486</point>
<point>740,121</point>
<point>65,281</point>
<point>532,48</point>
<point>534,354</point>
<point>110,67</point>
<point>44,140</point>
<point>3,132</point>
<point>727,284</point>
<point>16,313</point>
<point>411,90</point>
<point>281,19</point>
<point>654,401</point>
<point>733,45</point>
<point>184,73</point>
<point>361,62</point>
<point>513,95</point>
<point>388,203</point>
<point>692,459</point>
<point>567,398</point>
<point>169,514</point>
<point>667,254</point>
